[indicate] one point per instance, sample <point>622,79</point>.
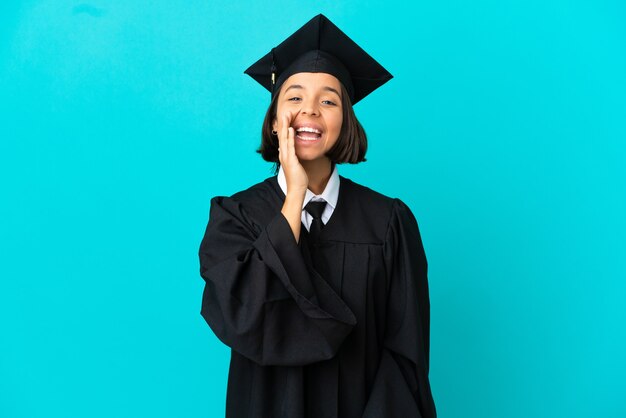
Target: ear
<point>275,124</point>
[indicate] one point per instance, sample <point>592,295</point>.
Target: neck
<point>318,172</point>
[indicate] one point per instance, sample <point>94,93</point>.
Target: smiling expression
<point>314,100</point>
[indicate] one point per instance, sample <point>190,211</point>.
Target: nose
<point>309,108</point>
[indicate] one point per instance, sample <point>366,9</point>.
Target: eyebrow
<point>325,88</point>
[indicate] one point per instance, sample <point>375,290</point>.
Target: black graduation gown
<point>340,332</point>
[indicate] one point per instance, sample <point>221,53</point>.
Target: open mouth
<point>308,134</point>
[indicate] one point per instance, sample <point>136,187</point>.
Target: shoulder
<point>367,194</point>
<point>256,203</point>
<point>257,194</point>
<point>393,209</point>
<point>375,212</point>
<point>375,201</point>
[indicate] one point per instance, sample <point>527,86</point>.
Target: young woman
<point>317,283</point>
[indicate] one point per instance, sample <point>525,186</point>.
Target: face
<point>314,101</point>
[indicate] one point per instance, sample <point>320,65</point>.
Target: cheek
<point>336,130</point>
<point>337,122</point>
<point>279,111</point>
<point>275,123</point>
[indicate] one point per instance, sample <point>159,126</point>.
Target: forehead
<point>313,80</point>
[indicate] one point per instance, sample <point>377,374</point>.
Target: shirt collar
<point>330,193</point>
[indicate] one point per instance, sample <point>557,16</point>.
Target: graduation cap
<point>320,47</point>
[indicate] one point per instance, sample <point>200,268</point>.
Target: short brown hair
<point>350,147</point>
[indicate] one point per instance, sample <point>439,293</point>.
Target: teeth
<point>306,129</point>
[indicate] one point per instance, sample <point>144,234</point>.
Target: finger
<point>286,122</point>
<point>286,133</point>
<point>292,116</point>
<point>292,142</point>
<point>281,133</point>
<point>292,134</point>
<point>282,136</point>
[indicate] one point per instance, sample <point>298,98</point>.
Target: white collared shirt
<point>330,195</point>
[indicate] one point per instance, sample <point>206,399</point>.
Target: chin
<point>308,156</point>
<point>310,159</point>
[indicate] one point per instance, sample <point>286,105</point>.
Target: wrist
<point>296,193</point>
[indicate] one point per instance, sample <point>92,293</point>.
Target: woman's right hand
<point>295,175</point>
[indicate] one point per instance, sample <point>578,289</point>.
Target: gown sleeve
<point>401,386</point>
<point>260,298</point>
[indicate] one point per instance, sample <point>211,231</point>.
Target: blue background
<point>503,130</point>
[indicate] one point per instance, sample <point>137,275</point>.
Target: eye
<point>330,102</point>
<point>294,99</point>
